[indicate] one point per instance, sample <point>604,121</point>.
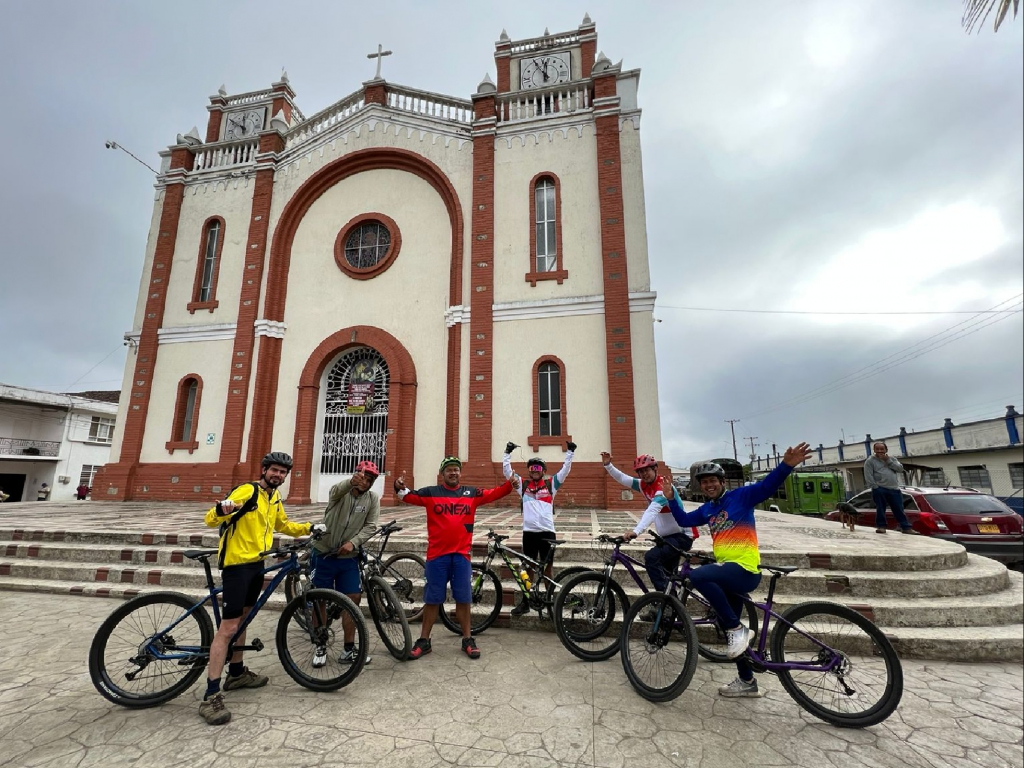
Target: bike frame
<point>496,547</point>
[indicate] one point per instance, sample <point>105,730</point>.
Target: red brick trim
<point>217,104</point>
<point>503,63</point>
<point>180,441</point>
<point>401,407</point>
<point>537,439</point>
<point>559,273</point>
<point>197,284</point>
<point>264,401</point>
<point>376,93</point>
<point>381,266</point>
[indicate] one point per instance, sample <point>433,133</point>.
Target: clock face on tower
<point>543,70</point>
<point>240,125</point>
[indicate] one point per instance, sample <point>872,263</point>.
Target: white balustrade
<point>550,41</point>
<point>430,104</point>
<point>324,120</point>
<point>224,154</point>
<point>248,98</point>
<point>549,102</point>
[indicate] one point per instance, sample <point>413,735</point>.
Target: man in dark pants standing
<point>881,475</point>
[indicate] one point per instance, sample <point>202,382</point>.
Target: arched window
<point>186,414</point>
<point>549,412</point>
<point>211,244</point>
<point>545,230</point>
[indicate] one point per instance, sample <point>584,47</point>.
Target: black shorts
<point>535,544</point>
<point>242,586</point>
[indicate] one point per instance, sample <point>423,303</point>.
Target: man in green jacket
<point>351,518</point>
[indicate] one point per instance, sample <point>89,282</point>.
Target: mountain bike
<point>833,661</point>
<point>383,581</point>
<point>586,609</point>
<point>486,584</point>
<point>155,646</point>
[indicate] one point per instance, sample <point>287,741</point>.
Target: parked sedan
<point>982,523</point>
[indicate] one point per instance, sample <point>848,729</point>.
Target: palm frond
<point>976,12</point>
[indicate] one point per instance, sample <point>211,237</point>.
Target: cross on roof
<point>380,54</point>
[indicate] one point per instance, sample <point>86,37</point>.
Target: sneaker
<point>521,608</point>
<point>319,657</point>
<point>739,639</point>
<point>911,532</point>
<point>740,689</point>
<point>349,657</point>
<point>469,647</point>
<point>421,648</point>
<point>248,679</point>
<point>213,711</point>
<point>880,530</point>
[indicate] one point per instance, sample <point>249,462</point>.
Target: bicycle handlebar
<point>616,540</point>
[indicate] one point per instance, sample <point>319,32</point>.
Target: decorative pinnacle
<point>222,91</point>
<point>284,75</point>
<point>546,33</point>
<point>503,37</point>
<point>586,20</point>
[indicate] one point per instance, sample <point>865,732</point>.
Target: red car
<point>982,523</point>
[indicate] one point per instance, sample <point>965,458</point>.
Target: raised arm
<point>559,478</point>
<point>620,477</point>
<point>762,491</point>
<point>506,466</point>
<point>493,494</point>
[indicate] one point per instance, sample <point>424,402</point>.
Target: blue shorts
<point>454,569</point>
<point>338,573</point>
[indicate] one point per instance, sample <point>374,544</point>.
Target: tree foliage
<point>976,12</point>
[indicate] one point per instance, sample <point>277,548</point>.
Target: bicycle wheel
<point>486,605</point>
<point>711,637</point>
<point>585,613</point>
<point>324,613</point>
<point>123,661</point>
<point>405,574</point>
<point>860,682</point>
<point>660,656</point>
<point>389,618</point>
<point>562,578</point>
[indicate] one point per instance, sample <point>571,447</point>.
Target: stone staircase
<point>932,599</point>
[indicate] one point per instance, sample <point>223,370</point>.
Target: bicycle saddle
<point>780,569</point>
<point>198,554</point>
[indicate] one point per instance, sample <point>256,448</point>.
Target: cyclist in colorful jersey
<point>248,518</point>
<point>730,516</point>
<point>661,559</point>
<point>538,496</point>
<point>451,513</point>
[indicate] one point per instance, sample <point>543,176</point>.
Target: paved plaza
<point>525,704</point>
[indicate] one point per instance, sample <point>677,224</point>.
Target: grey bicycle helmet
<point>709,469</point>
<point>279,458</point>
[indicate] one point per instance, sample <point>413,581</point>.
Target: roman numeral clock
<point>544,70</point>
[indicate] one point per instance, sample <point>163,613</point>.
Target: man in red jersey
<point>451,512</point>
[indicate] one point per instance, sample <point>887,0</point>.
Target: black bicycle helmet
<point>709,469</point>
<point>537,460</point>
<point>279,458</point>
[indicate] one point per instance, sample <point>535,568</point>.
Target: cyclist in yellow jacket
<point>248,517</point>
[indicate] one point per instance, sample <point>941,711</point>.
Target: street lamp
<point>115,145</point>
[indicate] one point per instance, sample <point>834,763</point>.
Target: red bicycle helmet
<point>368,467</point>
<point>644,460</point>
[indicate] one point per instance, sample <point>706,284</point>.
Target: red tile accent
<point>58,535</point>
<point>177,557</point>
<point>33,551</point>
<point>12,550</point>
<point>151,555</point>
<point>132,592</point>
<point>126,555</point>
<point>864,610</point>
<point>103,592</point>
<point>196,540</point>
<point>76,590</point>
<point>128,576</point>
<point>820,560</point>
<point>5,569</point>
<point>153,577</point>
<point>102,574</point>
<point>147,538</point>
<point>171,538</point>
<point>17,536</point>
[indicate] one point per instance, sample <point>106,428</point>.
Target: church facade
<point>399,277</point>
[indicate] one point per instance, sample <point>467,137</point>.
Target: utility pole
<point>752,444</point>
<point>732,428</point>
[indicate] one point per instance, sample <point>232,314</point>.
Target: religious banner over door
<point>355,420</point>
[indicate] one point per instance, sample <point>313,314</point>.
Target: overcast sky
<point>802,156</point>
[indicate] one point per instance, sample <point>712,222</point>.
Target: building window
<point>101,430</point>
<point>88,474</point>
<point>975,477</point>
<point>549,412</point>
<point>186,414</point>
<point>546,261</point>
<point>367,245</point>
<point>933,478</point>
<point>211,244</point>
<point>1016,475</point>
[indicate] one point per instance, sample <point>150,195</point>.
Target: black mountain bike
<point>487,591</point>
<point>155,646</point>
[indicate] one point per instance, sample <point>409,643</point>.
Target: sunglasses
<point>535,468</point>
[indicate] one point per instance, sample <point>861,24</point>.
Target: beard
<point>273,482</point>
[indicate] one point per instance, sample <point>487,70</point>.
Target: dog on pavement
<point>847,515</point>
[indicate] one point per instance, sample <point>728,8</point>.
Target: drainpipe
<point>867,446</point>
<point>947,434</point>
<point>903,441</point>
<point>1011,425</point>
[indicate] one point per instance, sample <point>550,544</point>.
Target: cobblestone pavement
<point>525,704</point>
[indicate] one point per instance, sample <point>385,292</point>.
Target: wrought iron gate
<point>356,413</point>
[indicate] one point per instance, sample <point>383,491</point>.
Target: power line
<point>839,313</point>
<point>929,344</point>
<point>69,386</point>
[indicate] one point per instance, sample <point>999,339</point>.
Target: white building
<point>57,439</point>
<point>401,276</point>
<point>986,455</point>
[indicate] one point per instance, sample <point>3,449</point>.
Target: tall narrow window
<point>547,251</point>
<point>211,246</point>
<point>549,420</point>
<point>186,414</point>
<point>546,262</point>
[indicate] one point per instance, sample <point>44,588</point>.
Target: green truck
<point>807,493</point>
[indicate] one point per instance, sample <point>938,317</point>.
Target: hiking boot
<point>248,679</point>
<point>521,608</point>
<point>213,711</point>
<point>319,657</point>
<point>349,657</point>
<point>469,647</point>
<point>740,689</point>
<point>739,639</point>
<point>421,648</point>
<point>880,530</point>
